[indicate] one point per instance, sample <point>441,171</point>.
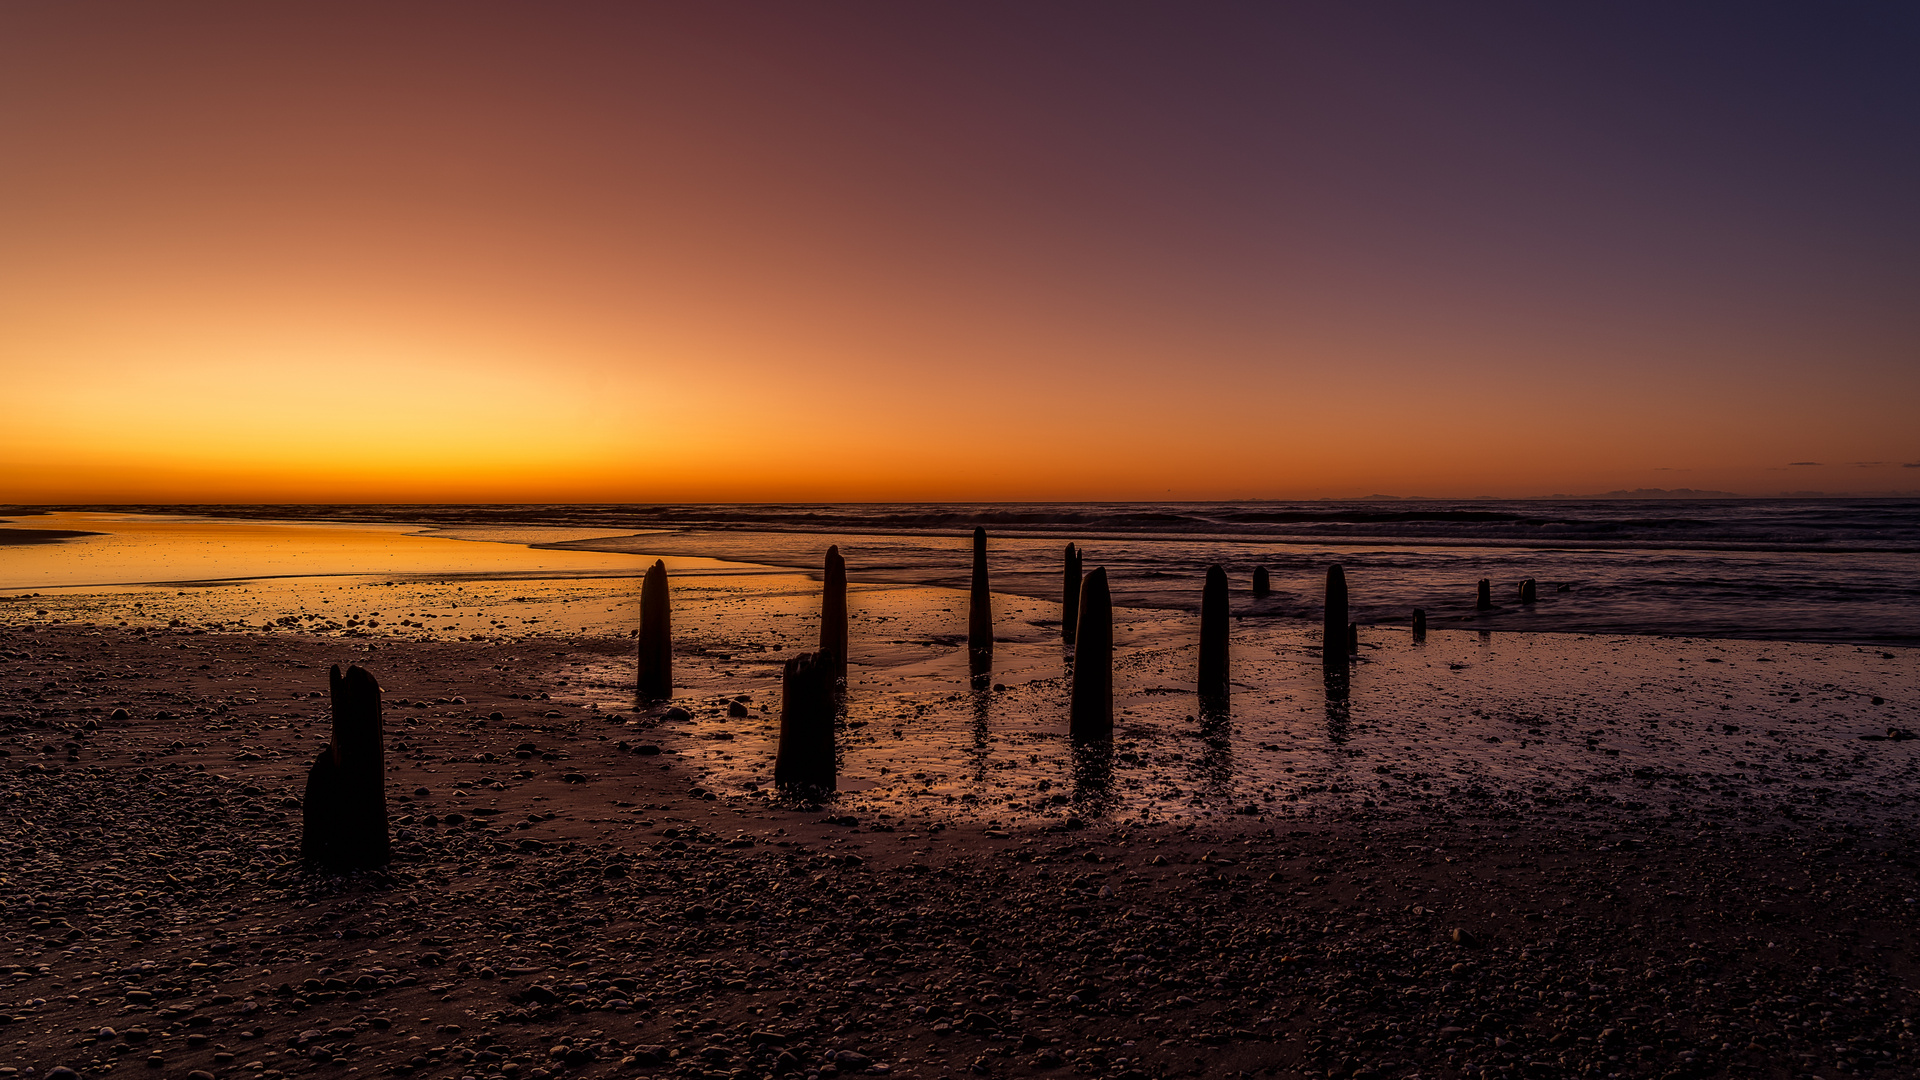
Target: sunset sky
<point>784,251</point>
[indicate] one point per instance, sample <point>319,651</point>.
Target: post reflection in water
<point>979,698</point>
<point>1216,760</point>
<point>1093,776</point>
<point>1339,717</point>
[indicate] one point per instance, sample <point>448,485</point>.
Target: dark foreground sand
<point>567,903</point>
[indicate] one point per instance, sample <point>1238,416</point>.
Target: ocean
<point>1784,569</point>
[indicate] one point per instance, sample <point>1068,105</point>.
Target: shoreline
<point>1581,592</point>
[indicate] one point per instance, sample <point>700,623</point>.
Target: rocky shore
<point>567,901</point>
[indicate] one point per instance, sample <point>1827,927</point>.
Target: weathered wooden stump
<point>1485,600</point>
<point>1070,595</point>
<point>1214,665</point>
<point>833,615</point>
<point>655,677</point>
<point>980,601</point>
<point>344,815</point>
<point>1333,632</point>
<point>1262,584</point>
<point>1090,714</point>
<point>1419,624</point>
<point>1529,592</point>
<point>804,761</point>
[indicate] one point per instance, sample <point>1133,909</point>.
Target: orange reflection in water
<point>135,548</point>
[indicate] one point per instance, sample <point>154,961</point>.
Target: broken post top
<point>1336,584</point>
<point>356,717</point>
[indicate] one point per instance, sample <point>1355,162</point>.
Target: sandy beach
<point>1500,855</point>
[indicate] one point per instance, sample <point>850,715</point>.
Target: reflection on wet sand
<point>1681,729</point>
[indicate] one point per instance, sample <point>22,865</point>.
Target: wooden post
<point>1262,584</point>
<point>655,677</point>
<point>980,601</point>
<point>1214,666</point>
<point>1419,624</point>
<point>1485,600</point>
<point>344,815</point>
<point>1091,712</point>
<point>1333,635</point>
<point>833,615</point>
<point>804,761</point>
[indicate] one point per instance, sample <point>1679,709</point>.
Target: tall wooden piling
<point>1485,600</point>
<point>1214,666</point>
<point>1070,595</point>
<point>1333,635</point>
<point>655,677</point>
<point>980,601</point>
<point>1090,714</point>
<point>1419,624</point>
<point>833,615</point>
<point>1529,591</point>
<point>1262,584</point>
<point>344,814</point>
<point>804,762</point>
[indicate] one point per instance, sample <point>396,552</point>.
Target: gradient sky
<point>677,252</point>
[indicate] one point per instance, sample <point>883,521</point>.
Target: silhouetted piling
<point>1091,713</point>
<point>1353,639</point>
<point>1262,585</point>
<point>655,680</point>
<point>980,601</point>
<point>1485,602</point>
<point>1213,638</point>
<point>1333,636</point>
<point>1070,596</point>
<point>1419,624</point>
<point>804,762</point>
<point>833,615</point>
<point>1529,592</point>
<point>344,815</point>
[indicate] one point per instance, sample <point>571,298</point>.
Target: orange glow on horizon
<point>659,257</point>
